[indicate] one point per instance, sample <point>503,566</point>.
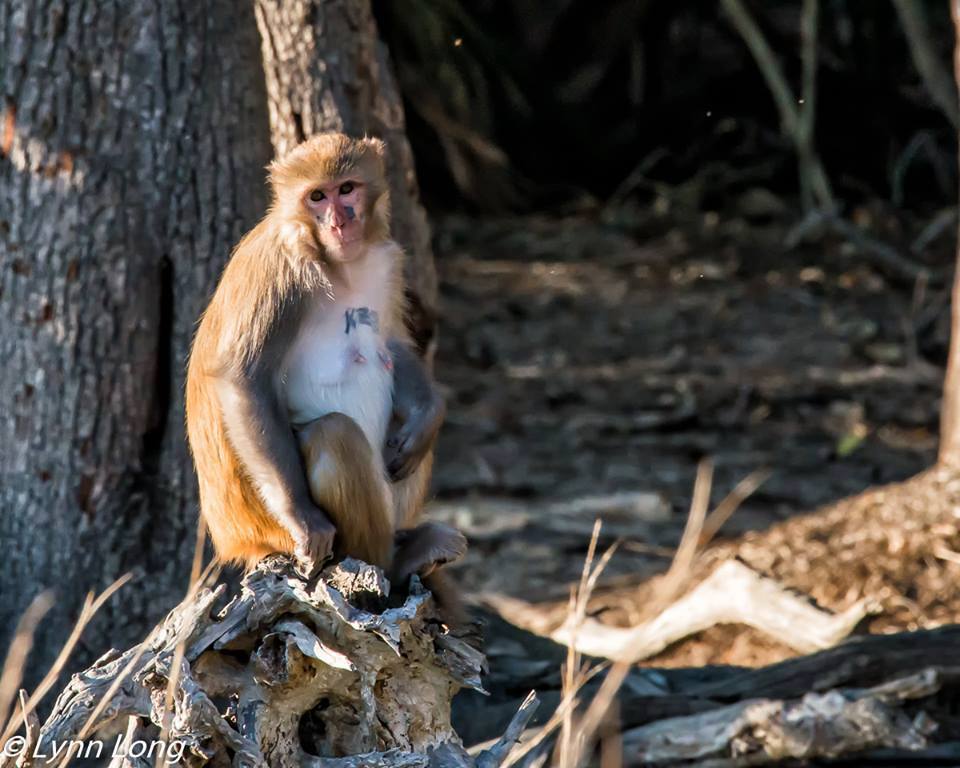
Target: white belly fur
<point>363,395</point>
<point>330,369</point>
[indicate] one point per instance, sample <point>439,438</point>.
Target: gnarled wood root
<point>288,673</point>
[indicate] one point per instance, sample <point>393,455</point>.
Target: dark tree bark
<point>326,69</point>
<point>950,410</point>
<point>133,138</point>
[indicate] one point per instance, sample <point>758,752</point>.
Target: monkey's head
<point>336,185</point>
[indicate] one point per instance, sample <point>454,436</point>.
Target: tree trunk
<point>133,138</point>
<point>326,69</point>
<point>950,409</point>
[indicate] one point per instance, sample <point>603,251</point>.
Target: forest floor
<point>591,365</point>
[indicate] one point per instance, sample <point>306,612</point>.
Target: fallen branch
<point>875,700</point>
<point>763,731</point>
<point>732,594</point>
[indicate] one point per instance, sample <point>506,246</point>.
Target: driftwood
<point>765,731</point>
<point>732,594</point>
<point>872,700</point>
<point>288,673</point>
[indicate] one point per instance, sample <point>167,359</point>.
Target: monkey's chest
<point>339,363</point>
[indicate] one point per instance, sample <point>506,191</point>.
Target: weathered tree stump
<point>291,672</point>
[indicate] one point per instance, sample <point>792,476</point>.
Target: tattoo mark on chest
<point>357,316</point>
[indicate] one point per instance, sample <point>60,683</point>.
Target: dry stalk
<point>730,504</point>
<point>935,76</point>
<point>20,649</point>
<point>89,609</point>
<point>197,579</point>
<point>796,115</point>
<point>574,674</point>
<point>678,575</point>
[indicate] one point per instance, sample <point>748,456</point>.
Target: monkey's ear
<point>376,145</point>
<point>276,173</point>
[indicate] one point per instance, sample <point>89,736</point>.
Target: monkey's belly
<point>354,378</point>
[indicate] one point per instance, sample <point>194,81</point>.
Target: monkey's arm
<point>267,449</point>
<point>418,411</point>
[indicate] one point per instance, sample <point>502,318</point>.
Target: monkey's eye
<point>346,188</point>
<point>317,196</point>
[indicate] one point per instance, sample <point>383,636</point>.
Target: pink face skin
<point>339,212</point>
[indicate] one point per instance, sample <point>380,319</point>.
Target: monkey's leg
<point>349,485</point>
<point>423,548</point>
<point>409,494</point>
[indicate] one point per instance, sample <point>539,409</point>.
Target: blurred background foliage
<point>566,105</point>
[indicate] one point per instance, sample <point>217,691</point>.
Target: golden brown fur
<point>343,480</point>
<point>326,158</point>
<point>274,268</point>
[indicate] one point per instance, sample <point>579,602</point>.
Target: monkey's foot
<point>423,549</point>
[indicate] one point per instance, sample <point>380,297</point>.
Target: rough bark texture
<point>133,138</point>
<point>327,70</point>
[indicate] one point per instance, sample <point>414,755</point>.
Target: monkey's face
<point>339,211</point>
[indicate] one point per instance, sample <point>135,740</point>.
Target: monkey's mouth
<point>348,233</point>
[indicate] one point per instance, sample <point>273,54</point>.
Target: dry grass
<point>578,731</point>
<point>15,663</point>
<point>16,660</point>
<point>575,674</point>
<point>198,578</point>
<point>583,724</point>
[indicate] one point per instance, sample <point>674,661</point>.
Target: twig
<point>943,221</point>
<point>922,140</point>
<point>679,572</point>
<point>888,257</point>
<point>815,188</point>
<point>523,749</point>
<point>497,753</point>
<point>949,451</point>
<point>797,124</point>
<point>935,76</point>
<point>730,504</point>
<point>767,63</point>
<point>31,734</point>
<point>197,579</point>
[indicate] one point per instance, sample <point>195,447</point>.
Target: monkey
<point>310,418</point>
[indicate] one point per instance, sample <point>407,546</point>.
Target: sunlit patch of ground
<point>583,359</point>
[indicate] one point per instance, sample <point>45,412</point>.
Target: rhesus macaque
<point>304,398</point>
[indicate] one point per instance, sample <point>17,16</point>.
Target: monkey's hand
<point>412,436</point>
<point>418,411</point>
<point>313,537</point>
